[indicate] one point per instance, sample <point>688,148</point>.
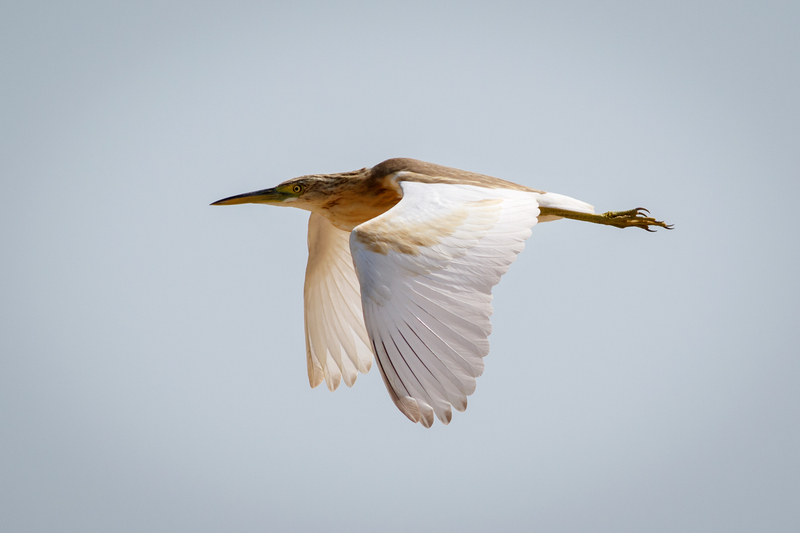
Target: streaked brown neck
<point>352,198</point>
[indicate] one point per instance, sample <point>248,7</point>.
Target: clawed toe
<point>636,218</point>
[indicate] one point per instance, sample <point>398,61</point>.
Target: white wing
<point>336,341</point>
<point>427,267</point>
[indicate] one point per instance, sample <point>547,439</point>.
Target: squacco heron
<point>402,258</point>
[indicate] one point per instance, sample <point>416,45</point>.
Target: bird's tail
<point>550,200</point>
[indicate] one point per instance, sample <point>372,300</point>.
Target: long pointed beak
<point>266,196</point>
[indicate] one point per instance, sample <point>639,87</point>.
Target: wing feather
<point>426,269</point>
<point>337,343</point>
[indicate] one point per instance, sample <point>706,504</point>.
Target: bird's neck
<point>361,198</point>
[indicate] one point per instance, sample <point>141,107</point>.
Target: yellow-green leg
<point>633,218</point>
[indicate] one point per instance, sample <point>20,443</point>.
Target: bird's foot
<point>633,218</point>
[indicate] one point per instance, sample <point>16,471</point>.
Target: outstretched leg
<point>633,218</point>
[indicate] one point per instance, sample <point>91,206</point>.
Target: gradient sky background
<point>152,368</point>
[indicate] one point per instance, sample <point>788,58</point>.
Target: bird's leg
<point>633,218</point>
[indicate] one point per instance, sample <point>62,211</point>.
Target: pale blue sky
<point>152,363</point>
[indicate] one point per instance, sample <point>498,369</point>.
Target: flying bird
<point>402,258</point>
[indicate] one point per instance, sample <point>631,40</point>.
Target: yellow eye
<point>297,189</point>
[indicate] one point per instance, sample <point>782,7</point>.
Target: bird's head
<point>346,199</point>
<point>305,192</point>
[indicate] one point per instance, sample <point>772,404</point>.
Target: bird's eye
<point>297,189</point>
